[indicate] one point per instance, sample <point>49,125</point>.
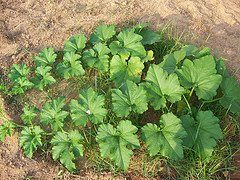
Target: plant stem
<point>204,102</point>
<point>212,100</point>
<point>84,134</point>
<point>18,125</point>
<point>190,94</point>
<point>188,105</point>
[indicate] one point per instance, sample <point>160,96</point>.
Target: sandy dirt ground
<point>26,26</point>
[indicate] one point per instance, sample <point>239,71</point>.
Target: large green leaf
<point>6,129</point>
<point>89,107</point>
<point>43,77</point>
<point>231,94</point>
<point>166,139</point>
<point>53,114</point>
<point>18,71</point>
<point>102,34</point>
<point>173,60</point>
<point>162,87</point>
<point>148,36</point>
<point>30,139</point>
<point>21,86</point>
<point>132,98</point>
<point>200,74</point>
<point>75,44</point>
<point>122,70</point>
<point>71,66</point>
<point>18,75</point>
<point>97,57</point>
<point>129,43</point>
<point>115,143</point>
<point>191,50</point>
<point>29,113</point>
<point>170,61</point>
<point>203,132</point>
<point>67,147</point>
<point>46,57</point>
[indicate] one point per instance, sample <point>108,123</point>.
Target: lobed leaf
<point>29,113</point>
<point>203,132</point>
<point>132,98</point>
<point>43,77</point>
<point>30,139</point>
<point>116,143</point>
<point>71,66</point>
<point>200,74</point>
<point>97,57</point>
<point>6,129</point>
<point>46,57</point>
<point>166,139</point>
<point>122,70</point>
<point>89,107</point>
<point>75,44</point>
<point>162,87</point>
<point>102,34</point>
<point>21,86</point>
<point>18,72</point>
<point>231,94</point>
<point>53,114</point>
<point>148,36</point>
<point>129,43</point>
<point>18,75</point>
<point>67,147</point>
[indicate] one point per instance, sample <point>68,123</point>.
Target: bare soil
<point>27,26</point>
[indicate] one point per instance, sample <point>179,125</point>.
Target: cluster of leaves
<point>183,81</point>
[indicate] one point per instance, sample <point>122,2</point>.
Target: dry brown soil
<point>26,26</point>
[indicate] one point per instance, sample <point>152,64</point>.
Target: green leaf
<point>132,98</point>
<point>170,61</point>
<point>190,50</point>
<point>231,94</point>
<point>6,129</point>
<point>53,114</point>
<point>203,132</point>
<point>97,57</point>
<point>200,74</point>
<point>221,68</point>
<point>30,139</point>
<point>18,72</point>
<point>148,36</point>
<point>67,147</point>
<point>2,88</point>
<point>18,75</point>
<point>166,139</point>
<point>129,43</point>
<point>122,70</point>
<point>43,77</point>
<point>29,113</point>
<point>46,57</point>
<point>75,44</point>
<point>71,66</point>
<point>149,56</point>
<point>21,85</point>
<point>204,52</point>
<point>115,143</point>
<point>89,107</point>
<point>16,90</point>
<point>162,87</point>
<point>179,55</point>
<point>102,34</point>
